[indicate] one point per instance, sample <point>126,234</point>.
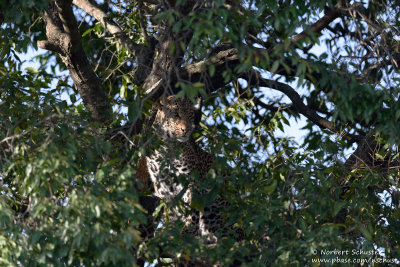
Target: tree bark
<point>64,38</point>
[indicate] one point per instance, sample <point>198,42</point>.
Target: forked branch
<point>63,37</point>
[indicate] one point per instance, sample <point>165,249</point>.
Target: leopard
<point>173,122</point>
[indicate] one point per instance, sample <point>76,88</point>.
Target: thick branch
<point>49,46</point>
<point>223,60</point>
<point>255,79</point>
<point>219,59</point>
<point>68,21</point>
<point>64,38</point>
<point>229,57</point>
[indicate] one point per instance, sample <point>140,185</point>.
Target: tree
<point>72,131</point>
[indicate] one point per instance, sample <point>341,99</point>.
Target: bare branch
<point>229,57</point>
<point>219,59</point>
<point>49,46</point>
<point>255,79</point>
<point>144,54</point>
<point>321,24</point>
<point>108,24</point>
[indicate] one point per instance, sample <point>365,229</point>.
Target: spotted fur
<point>174,121</point>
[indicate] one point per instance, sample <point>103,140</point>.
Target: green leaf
<point>177,26</point>
<point>31,70</point>
<point>275,66</point>
<point>337,207</point>
<point>87,32</point>
<point>211,70</point>
<point>123,92</point>
<point>158,209</point>
<point>271,188</point>
<point>198,85</point>
<point>72,97</point>
<point>365,232</point>
<point>34,238</point>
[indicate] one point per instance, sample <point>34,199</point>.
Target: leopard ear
<point>164,100</point>
<point>161,101</point>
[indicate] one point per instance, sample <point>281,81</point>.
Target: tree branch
<point>321,24</point>
<point>365,156</point>
<point>64,38</point>
<point>49,46</point>
<point>229,57</point>
<point>108,24</point>
<point>68,21</point>
<point>144,54</point>
<point>223,60</point>
<point>255,79</point>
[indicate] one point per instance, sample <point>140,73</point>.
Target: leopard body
<point>178,157</point>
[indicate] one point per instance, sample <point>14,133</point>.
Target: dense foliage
<point>72,133</point>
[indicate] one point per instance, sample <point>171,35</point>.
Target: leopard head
<point>174,119</point>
